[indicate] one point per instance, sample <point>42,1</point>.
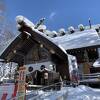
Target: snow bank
<point>83,93</point>
<point>70,93</point>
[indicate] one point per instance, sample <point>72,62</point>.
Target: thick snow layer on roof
<point>76,40</point>
<point>81,39</point>
<point>21,19</point>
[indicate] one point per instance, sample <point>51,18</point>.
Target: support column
<point>86,65</point>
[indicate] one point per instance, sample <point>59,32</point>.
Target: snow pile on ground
<point>57,95</point>
<point>83,93</point>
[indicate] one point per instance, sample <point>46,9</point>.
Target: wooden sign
<point>21,83</point>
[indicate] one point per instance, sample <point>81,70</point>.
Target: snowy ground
<point>69,93</point>
<point>83,93</point>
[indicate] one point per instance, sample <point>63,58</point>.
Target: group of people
<point>39,77</point>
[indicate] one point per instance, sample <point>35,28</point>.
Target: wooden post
<point>86,65</point>
<point>21,83</point>
<point>86,68</point>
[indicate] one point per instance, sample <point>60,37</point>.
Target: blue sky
<point>58,13</point>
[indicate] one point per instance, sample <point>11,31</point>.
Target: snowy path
<point>83,93</point>
<point>69,93</point>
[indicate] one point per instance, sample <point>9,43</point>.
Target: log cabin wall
<point>37,54</point>
<point>61,67</point>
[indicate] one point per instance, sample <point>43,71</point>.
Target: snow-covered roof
<point>76,40</point>
<point>36,36</point>
<point>79,39</point>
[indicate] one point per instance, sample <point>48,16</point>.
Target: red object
<point>15,91</point>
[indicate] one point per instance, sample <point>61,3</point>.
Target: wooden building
<point>85,46</point>
<point>32,46</point>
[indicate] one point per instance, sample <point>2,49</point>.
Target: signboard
<point>21,83</point>
<point>22,73</point>
<point>7,91</point>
